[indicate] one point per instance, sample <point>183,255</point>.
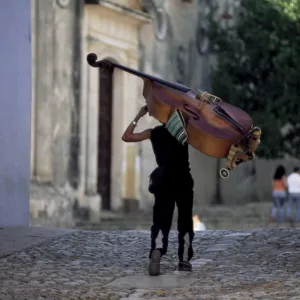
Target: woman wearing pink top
<point>279,193</point>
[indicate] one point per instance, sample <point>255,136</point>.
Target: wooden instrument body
<point>208,132</point>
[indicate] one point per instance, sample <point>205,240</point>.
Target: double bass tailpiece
<point>242,152</point>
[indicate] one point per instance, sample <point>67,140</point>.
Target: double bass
<point>214,127</point>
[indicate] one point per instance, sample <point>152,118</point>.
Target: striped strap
<point>176,126</point>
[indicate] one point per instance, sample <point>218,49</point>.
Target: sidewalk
<point>40,263</point>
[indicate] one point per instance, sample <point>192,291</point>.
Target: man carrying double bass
<point>171,183</point>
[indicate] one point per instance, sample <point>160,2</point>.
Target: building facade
<point>79,112</point>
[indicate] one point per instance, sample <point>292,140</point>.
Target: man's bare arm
<point>130,136</point>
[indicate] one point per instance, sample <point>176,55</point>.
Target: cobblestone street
<point>253,264</point>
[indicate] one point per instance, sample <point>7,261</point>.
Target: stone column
<point>89,146</point>
<point>118,146</point>
<point>65,115</point>
<point>87,189</point>
<point>131,176</point>
<point>43,65</point>
<point>15,87</point>
<point>83,108</point>
<point>92,139</point>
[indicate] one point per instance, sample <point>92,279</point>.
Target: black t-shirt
<point>171,154</point>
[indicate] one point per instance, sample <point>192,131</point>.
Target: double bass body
<point>208,132</point>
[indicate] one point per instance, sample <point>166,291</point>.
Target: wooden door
<point>105,137</point>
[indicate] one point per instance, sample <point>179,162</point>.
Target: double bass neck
<point>109,65</point>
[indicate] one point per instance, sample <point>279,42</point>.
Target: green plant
<point>258,70</point>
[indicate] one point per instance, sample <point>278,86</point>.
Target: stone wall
<point>51,206</point>
<point>56,28</point>
<point>66,99</point>
<point>55,146</point>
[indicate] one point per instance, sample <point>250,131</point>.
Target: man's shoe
<point>154,265</point>
<point>184,266</point>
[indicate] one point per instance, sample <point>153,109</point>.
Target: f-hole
<point>105,137</point>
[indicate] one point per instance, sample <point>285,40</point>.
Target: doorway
<point>105,137</point>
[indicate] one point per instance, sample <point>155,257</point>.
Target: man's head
<point>296,170</point>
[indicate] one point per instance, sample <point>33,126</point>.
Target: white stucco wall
<point>15,93</point>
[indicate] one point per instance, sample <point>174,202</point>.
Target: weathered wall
<point>67,99</point>
<point>15,86</point>
<point>57,82</point>
<point>55,146</point>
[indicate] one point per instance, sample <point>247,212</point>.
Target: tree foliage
<point>258,70</point>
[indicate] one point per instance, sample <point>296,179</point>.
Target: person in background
<point>279,194</point>
<point>198,225</point>
<point>293,183</point>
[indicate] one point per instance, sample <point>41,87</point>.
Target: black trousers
<point>163,210</point>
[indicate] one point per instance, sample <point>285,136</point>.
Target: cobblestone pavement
<point>111,265</point>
